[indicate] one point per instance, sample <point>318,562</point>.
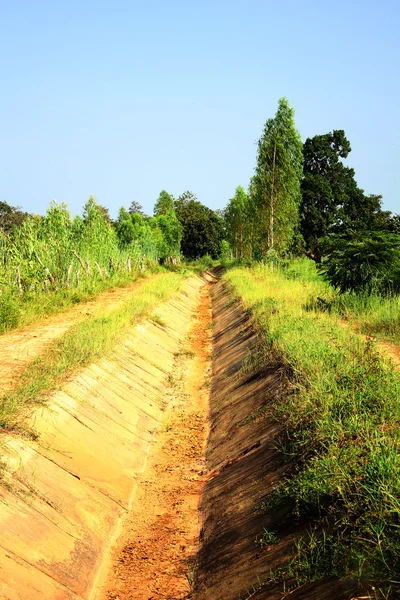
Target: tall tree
<point>164,203</point>
<point>202,228</point>
<point>135,207</point>
<point>10,216</point>
<point>332,202</point>
<point>238,223</point>
<point>171,229</point>
<point>276,184</point>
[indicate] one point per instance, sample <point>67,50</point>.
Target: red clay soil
<point>19,348</point>
<point>154,555</point>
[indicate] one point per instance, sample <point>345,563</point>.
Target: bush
<point>362,262</point>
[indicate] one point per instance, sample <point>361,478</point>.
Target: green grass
<point>19,310</point>
<point>370,313</point>
<point>342,412</point>
<point>85,342</point>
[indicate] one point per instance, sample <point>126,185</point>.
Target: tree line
<point>57,251</point>
<point>302,199</point>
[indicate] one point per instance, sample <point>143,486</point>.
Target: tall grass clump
<point>343,425</point>
<point>85,342</point>
<point>50,262</point>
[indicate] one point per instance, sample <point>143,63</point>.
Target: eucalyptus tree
<point>164,203</point>
<point>276,183</point>
<point>238,223</point>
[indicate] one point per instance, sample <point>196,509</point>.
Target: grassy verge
<point>19,310</point>
<point>90,339</point>
<point>371,314</point>
<point>343,425</point>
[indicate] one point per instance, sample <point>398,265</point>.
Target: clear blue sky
<point>122,99</point>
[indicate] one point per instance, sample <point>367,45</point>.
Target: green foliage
<point>331,200</point>
<point>239,224</point>
<point>10,217</point>
<point>362,263</point>
<point>48,261</point>
<point>202,227</point>
<point>226,252</point>
<point>171,230</point>
<point>276,184</point>
<point>164,204</point>
<point>156,238</point>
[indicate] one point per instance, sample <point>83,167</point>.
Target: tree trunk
<point>271,214</point>
<point>19,281</point>
<point>68,276</point>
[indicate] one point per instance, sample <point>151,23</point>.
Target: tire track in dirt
<point>154,556</point>
<point>19,348</point>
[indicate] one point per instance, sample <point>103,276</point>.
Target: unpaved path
<point>388,350</point>
<point>154,555</point>
<point>391,351</point>
<point>19,348</point>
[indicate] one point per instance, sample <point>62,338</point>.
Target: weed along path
<point>154,556</point>
<point>19,348</point>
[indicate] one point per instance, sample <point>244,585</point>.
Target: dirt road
<point>19,348</point>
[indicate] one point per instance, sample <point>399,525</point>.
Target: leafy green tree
<point>164,203</point>
<point>332,202</point>
<point>98,227</point>
<point>276,183</point>
<point>393,223</point>
<point>202,229</point>
<point>171,229</point>
<point>10,216</point>
<point>239,223</point>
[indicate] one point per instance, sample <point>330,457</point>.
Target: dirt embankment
<point>244,466</point>
<point>19,348</point>
<point>62,496</point>
<point>154,557</point>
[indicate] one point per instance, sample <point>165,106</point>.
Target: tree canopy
<point>202,228</point>
<point>164,203</point>
<point>331,201</point>
<point>238,220</point>
<point>11,216</point>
